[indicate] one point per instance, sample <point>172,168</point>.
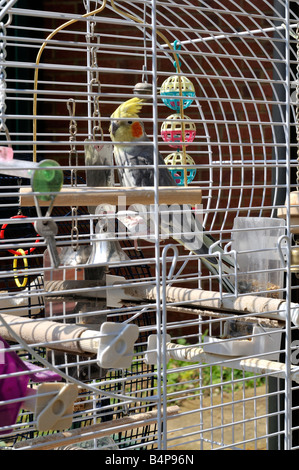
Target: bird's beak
<point>113,127</point>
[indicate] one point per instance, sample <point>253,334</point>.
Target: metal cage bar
<point>157,344</point>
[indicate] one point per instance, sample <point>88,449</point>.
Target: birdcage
<point>137,313</point>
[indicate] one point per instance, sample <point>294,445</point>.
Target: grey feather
<point>97,156</point>
<point>192,237</point>
<point>140,155</point>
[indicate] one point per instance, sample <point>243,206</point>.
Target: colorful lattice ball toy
<point>171,88</point>
<point>174,131</point>
<point>176,159</point>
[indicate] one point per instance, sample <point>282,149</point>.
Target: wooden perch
<point>88,196</point>
<point>246,304</point>
<point>94,431</point>
<point>262,366</point>
<point>75,289</point>
<point>80,340</point>
<point>183,297</point>
<point>53,335</point>
<point>253,364</point>
<point>226,315</point>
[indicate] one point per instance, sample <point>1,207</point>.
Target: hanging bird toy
<point>177,86</point>
<point>178,130</point>
<point>170,89</point>
<point>174,132</point>
<point>176,159</point>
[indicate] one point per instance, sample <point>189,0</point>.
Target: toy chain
<point>95,86</point>
<point>71,106</point>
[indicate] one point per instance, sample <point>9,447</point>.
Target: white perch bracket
<point>114,344</point>
<point>53,405</point>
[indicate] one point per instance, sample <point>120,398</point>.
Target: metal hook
<point>9,20</point>
<point>173,263</point>
<point>96,130</point>
<point>4,130</point>
<point>5,9</point>
<point>291,32</point>
<point>144,75</point>
<point>71,110</point>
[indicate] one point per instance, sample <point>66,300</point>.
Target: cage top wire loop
<point>6,5</point>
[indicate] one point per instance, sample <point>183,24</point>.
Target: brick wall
<point>212,85</point>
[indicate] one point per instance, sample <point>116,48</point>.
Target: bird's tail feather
<point>225,281</point>
<point>212,263</point>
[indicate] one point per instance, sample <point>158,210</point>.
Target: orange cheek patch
<point>137,129</point>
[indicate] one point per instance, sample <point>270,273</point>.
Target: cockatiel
<point>133,150</point>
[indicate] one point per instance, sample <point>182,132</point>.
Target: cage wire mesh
<point>116,323</point>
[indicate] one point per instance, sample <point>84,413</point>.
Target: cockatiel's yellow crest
<point>125,125</point>
<point>128,109</point>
